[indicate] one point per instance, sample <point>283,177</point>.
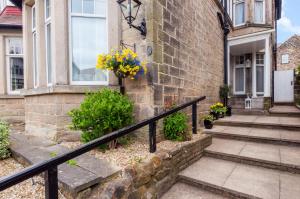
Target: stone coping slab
<point>243,181</point>
<point>86,172</point>
<point>276,136</point>
<point>286,158</point>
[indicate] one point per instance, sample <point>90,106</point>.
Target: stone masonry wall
<point>188,52</point>
<point>154,177</point>
<point>292,48</point>
<point>12,109</point>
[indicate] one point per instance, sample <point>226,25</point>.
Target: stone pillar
<point>254,74</point>
<point>267,74</point>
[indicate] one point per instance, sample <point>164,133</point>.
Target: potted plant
<point>224,95</point>
<point>223,111</point>
<point>216,110</point>
<point>208,121</point>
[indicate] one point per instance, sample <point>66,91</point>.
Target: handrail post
<point>194,118</point>
<point>51,183</point>
<point>152,137</point>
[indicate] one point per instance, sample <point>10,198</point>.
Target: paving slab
<point>290,156</point>
<point>185,191</point>
<point>290,186</point>
<point>226,146</point>
<point>285,111</point>
<point>87,172</point>
<point>209,170</point>
<point>255,181</point>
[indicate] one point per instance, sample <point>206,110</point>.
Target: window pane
<point>76,6</point>
<point>14,46</point>
<point>100,7</point>
<point>47,9</point>
<point>35,61</point>
<point>88,40</point>
<point>49,66</point>
<point>33,18</point>
<point>239,13</point>
<point>16,73</point>
<point>239,79</point>
<point>88,6</point>
<point>259,9</point>
<point>259,79</point>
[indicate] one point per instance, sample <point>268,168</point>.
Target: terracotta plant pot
<point>208,124</point>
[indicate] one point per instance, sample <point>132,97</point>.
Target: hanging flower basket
<point>124,63</point>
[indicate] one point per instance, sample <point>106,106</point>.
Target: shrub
<point>176,127</point>
<point>4,141</point>
<point>101,113</point>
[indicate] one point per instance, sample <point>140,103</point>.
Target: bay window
<point>259,11</point>
<point>88,29</point>
<point>260,67</point>
<point>48,41</point>
<point>239,12</point>
<point>15,70</point>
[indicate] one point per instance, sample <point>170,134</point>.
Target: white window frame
<point>285,57</point>
<point>8,56</point>
<point>234,82</point>
<point>70,15</point>
<point>260,65</point>
<point>264,12</point>
<point>48,22</point>
<point>34,50</point>
<point>235,2</point>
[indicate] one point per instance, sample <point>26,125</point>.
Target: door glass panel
<point>260,79</point>
<point>239,79</point>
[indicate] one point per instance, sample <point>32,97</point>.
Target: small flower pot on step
<point>208,124</point>
<point>228,113</point>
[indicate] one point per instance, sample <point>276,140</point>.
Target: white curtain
<point>239,13</point>
<point>259,11</point>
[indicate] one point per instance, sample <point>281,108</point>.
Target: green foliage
<point>101,113</point>
<point>298,71</point>
<point>4,140</point>
<point>208,118</point>
<point>224,91</point>
<point>53,154</point>
<point>72,163</point>
<point>176,127</point>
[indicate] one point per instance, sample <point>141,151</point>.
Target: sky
<point>289,24</point>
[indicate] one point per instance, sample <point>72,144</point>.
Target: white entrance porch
<point>249,68</point>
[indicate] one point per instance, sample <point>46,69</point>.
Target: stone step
<point>183,190</point>
<point>284,158</point>
<point>244,111</point>
<point>287,123</point>
<point>73,179</point>
<point>262,135</point>
<point>241,180</point>
<point>286,111</point>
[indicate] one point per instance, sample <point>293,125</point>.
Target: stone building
<point>62,38</point>
<point>184,49</point>
<point>11,63</point>
<point>289,54</point>
<point>250,51</point>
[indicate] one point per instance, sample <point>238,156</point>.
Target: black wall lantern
<point>130,9</point>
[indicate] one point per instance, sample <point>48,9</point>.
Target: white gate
<point>284,86</point>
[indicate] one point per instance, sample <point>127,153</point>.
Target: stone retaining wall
<point>154,177</point>
<point>12,109</point>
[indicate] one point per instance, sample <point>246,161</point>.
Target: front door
<point>284,86</point>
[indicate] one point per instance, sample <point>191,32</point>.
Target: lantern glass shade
<point>129,9</point>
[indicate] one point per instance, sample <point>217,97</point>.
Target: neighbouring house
<point>11,63</point>
<point>288,54</point>
<point>287,87</point>
<point>184,49</point>
<point>250,51</point>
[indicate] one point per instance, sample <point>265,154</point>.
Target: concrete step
<point>183,190</point>
<point>285,111</point>
<point>286,123</point>
<point>73,179</point>
<point>262,135</point>
<point>244,111</point>
<point>240,180</point>
<point>284,158</point>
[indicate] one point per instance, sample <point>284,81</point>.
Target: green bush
<point>176,127</point>
<point>101,113</point>
<point>4,141</point>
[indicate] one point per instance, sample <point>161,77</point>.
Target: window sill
<point>63,89</point>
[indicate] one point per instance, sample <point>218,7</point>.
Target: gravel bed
<point>135,152</point>
<point>30,189</point>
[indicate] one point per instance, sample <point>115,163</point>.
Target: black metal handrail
<point>50,166</point>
